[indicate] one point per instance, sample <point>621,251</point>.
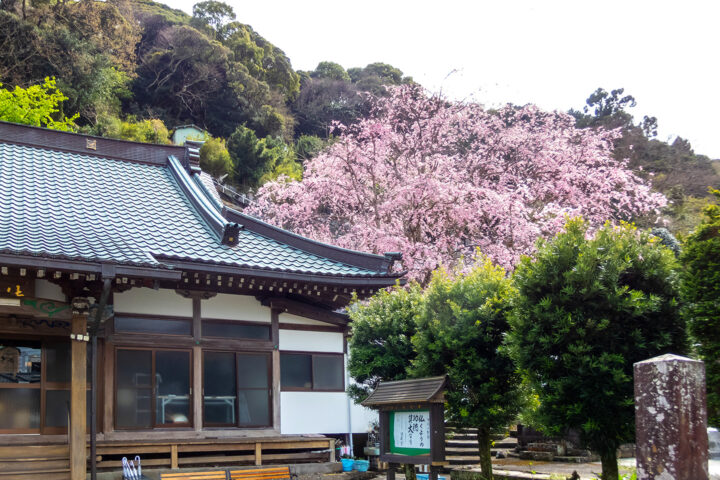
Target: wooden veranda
<point>51,460</point>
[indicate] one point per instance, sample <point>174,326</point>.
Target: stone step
<point>506,443</point>
<point>537,456</point>
<point>463,460</point>
<point>461,443</point>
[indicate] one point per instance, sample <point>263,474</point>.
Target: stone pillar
<point>671,419</point>
<point>78,390</point>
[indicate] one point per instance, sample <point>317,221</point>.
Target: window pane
<point>19,408</point>
<point>57,408</point>
<point>234,330</point>
<point>219,387</point>
<point>328,372</point>
<point>254,407</point>
<point>134,391</point>
<point>172,375</point>
<point>57,356</point>
<point>296,370</point>
<point>154,326</point>
<point>253,370</point>
<point>19,361</point>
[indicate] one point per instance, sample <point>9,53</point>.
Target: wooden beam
<point>306,310</point>
<point>78,391</point>
<point>258,453</point>
<point>39,308</point>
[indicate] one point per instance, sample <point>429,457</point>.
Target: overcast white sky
<point>551,53</point>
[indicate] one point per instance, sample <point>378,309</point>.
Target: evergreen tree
<point>460,332</point>
<point>586,310</point>
<point>701,294</point>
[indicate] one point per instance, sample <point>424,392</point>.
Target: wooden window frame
<point>236,322</point>
<point>269,388</point>
<point>43,386</point>
<point>151,317</point>
<point>153,393</point>
<point>312,371</point>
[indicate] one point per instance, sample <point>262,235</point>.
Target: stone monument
<point>671,419</point>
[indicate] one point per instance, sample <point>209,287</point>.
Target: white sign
<point>412,429</point>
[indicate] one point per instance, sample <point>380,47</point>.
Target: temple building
<point>141,315</point>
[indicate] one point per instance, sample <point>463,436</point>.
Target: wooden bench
<point>221,475</point>
<point>262,473</point>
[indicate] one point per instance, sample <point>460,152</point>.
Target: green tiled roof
<point>85,207</point>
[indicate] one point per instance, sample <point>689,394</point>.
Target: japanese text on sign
<point>412,429</point>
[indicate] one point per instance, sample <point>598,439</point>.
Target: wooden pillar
<point>107,405</point>
<point>275,334</point>
<point>174,464</point>
<point>197,397</point>
<point>78,390</point>
<point>258,453</point>
<point>391,471</point>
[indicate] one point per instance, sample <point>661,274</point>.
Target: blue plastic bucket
<point>347,464</point>
<point>425,476</point>
<point>361,465</point>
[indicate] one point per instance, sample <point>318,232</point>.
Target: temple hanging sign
<point>16,287</point>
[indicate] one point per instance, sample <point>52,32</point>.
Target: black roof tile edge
<point>368,261</point>
<point>186,264</point>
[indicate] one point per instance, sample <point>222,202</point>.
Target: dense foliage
<point>436,179</point>
<point>461,327</point>
<point>37,105</point>
<point>701,293</point>
<point>587,308</point>
<point>380,344</point>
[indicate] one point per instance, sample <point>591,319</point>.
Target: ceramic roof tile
<point>75,206</point>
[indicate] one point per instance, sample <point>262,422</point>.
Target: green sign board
<point>410,432</point>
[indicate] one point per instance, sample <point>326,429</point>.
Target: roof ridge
<point>202,202</point>
<point>117,149</point>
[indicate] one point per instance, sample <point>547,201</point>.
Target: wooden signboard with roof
<point>412,422</point>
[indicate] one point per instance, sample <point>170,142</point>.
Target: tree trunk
<point>609,465</point>
<point>483,438</point>
<point>409,471</point>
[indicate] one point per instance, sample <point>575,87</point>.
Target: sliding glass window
<point>153,388</point>
<point>322,372</point>
<point>236,389</point>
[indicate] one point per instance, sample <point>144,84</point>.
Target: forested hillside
<point>135,69</point>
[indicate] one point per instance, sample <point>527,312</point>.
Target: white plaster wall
<point>235,307</point>
<point>299,340</point>
<point>297,320</point>
<point>152,302</point>
<point>49,290</point>
<point>321,412</point>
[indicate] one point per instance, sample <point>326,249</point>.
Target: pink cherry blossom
<point>437,179</point>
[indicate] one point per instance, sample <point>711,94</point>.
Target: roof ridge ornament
<point>227,232</point>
